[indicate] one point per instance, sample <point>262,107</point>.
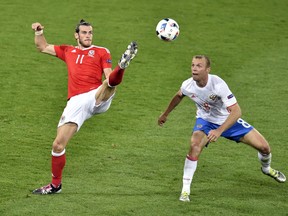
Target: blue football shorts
<point>235,132</point>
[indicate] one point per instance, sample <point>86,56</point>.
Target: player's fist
<point>37,26</point>
<point>162,119</point>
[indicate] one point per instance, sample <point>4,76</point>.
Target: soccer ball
<point>167,29</point>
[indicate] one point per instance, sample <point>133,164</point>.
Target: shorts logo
<point>62,119</point>
<point>199,126</point>
<point>109,61</point>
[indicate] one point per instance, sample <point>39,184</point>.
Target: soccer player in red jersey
<point>87,94</point>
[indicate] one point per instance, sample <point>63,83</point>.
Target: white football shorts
<point>82,107</point>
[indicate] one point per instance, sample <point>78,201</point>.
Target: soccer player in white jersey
<point>218,114</point>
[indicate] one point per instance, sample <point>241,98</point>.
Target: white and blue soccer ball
<point>167,29</point>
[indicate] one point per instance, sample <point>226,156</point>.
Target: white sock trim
<point>108,83</point>
<point>58,154</point>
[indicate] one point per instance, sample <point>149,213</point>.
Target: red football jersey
<point>85,67</point>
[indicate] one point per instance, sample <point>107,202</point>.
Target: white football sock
<point>265,161</point>
<point>189,170</point>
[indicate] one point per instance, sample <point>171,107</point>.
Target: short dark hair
<point>208,62</point>
<point>82,22</point>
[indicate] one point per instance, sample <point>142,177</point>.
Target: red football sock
<point>116,76</point>
<point>58,163</point>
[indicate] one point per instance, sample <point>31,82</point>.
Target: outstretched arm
<point>173,103</point>
<point>40,40</point>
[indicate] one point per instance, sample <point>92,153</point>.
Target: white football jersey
<point>212,100</point>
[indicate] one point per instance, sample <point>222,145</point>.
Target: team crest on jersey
<point>91,53</point>
<point>213,97</point>
<point>193,95</point>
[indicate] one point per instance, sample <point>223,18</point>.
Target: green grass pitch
<point>121,163</point>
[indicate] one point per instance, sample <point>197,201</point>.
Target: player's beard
<point>85,44</point>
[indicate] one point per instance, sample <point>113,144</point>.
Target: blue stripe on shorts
<point>238,130</point>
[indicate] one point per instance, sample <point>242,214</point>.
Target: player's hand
<point>162,119</point>
<point>37,26</point>
<point>213,135</point>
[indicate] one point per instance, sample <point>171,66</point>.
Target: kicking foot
<point>128,55</point>
<point>48,189</point>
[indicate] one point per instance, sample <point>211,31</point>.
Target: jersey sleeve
<point>60,51</point>
<point>106,59</point>
<point>226,95</point>
<point>184,87</point>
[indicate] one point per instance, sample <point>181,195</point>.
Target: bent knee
<point>57,146</point>
<point>195,149</point>
<point>265,149</point>
<point>104,94</point>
